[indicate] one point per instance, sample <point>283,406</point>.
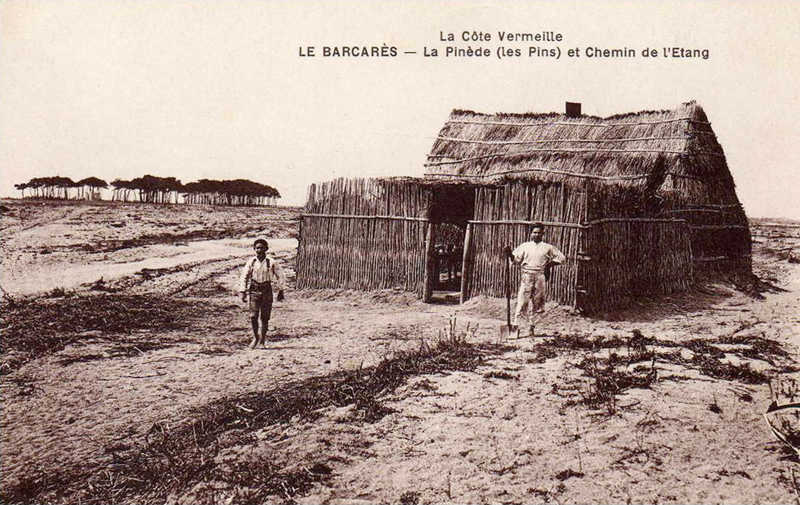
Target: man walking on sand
<point>257,279</point>
<point>537,258</point>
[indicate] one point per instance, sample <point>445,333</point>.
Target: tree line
<point>152,189</point>
<point>236,192</point>
<point>62,188</point>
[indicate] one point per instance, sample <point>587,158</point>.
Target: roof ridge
<point>690,108</point>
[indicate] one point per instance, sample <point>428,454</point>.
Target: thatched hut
<point>640,203</point>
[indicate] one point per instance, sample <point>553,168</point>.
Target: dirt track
<point>58,244</point>
<point>514,430</point>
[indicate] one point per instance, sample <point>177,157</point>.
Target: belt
<point>532,271</point>
<point>256,286</point>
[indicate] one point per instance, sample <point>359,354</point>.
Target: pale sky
<point>218,90</point>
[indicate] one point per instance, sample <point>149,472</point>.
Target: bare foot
<point>253,343</point>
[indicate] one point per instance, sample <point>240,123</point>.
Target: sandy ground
<point>47,245</point>
<point>508,432</point>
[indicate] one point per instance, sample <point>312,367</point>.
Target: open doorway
<point>453,207</point>
<point>449,250</point>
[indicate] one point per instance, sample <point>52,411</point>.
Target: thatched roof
<point>642,147</point>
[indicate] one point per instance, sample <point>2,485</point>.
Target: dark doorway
<point>453,207</point>
<point>449,250</point>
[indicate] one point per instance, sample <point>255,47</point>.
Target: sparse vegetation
<point>605,410</point>
<point>636,367</point>
<point>409,498</point>
<point>32,327</point>
<point>177,456</point>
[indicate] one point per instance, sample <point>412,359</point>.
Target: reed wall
<point>362,253</point>
<point>503,217</point>
<point>364,234</point>
<point>627,258</point>
<point>376,234</point>
<point>720,231</point>
<point>401,197</point>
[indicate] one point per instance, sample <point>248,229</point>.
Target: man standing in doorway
<point>537,258</point>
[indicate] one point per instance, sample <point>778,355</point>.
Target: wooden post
<point>582,297</point>
<point>430,267</point>
<point>465,268</point>
<point>299,259</point>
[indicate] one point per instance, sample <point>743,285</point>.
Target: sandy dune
<point>516,429</point>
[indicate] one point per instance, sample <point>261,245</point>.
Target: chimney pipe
<point>573,109</point>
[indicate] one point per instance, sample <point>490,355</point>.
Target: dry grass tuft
<point>32,327</point>
<point>610,377</point>
<point>632,363</point>
<point>409,498</point>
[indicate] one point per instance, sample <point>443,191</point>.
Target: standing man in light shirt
<point>257,279</point>
<point>537,258</point>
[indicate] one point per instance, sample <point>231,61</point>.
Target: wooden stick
<point>466,269</point>
<point>548,170</point>
<point>358,216</point>
<point>596,151</point>
<point>576,123</point>
<point>526,222</point>
<point>427,292</point>
<point>543,141</point>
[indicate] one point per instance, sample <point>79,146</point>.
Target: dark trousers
<point>261,300</point>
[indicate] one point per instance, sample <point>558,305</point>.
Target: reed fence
<point>369,234</point>
<point>370,197</point>
<point>628,257</point>
<point>362,253</point>
<point>365,234</point>
<point>503,217</point>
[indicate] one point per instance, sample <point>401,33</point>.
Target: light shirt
<point>262,271</point>
<point>534,257</point>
